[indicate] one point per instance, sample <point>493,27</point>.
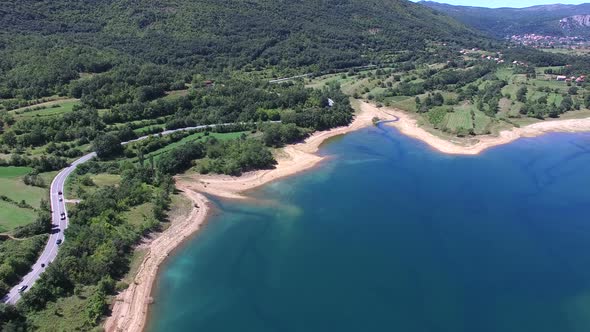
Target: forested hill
<point>502,22</point>
<point>58,37</point>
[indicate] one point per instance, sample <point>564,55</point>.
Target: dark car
<point>58,241</point>
<point>42,264</point>
<point>59,193</point>
<point>22,288</point>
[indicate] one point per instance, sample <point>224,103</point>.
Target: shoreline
<point>131,307</point>
<point>291,160</point>
<point>408,125</point>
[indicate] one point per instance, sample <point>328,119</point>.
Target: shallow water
<point>389,235</point>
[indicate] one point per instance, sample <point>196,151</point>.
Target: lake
<point>389,235</point>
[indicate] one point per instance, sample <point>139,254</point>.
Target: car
<point>63,217</point>
<point>22,288</point>
<point>58,241</point>
<point>59,193</point>
<point>61,199</point>
<point>42,264</point>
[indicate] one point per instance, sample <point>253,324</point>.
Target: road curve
<point>58,206</point>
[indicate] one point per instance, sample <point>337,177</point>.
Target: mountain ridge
<point>506,21</point>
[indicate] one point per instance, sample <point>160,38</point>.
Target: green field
<point>196,137</point>
<point>67,314</point>
<point>460,118</point>
<point>482,123</point>
<point>74,188</point>
<point>12,216</point>
<point>13,187</point>
<point>11,172</point>
<point>52,109</point>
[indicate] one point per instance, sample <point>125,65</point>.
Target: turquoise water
<point>389,235</point>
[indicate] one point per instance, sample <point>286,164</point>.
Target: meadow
<point>15,190</point>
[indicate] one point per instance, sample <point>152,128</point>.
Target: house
<point>561,78</point>
<point>581,79</point>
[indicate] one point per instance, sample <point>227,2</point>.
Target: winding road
<point>58,206</point>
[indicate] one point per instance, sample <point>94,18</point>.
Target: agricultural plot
<point>13,187</point>
<point>460,118</point>
<point>482,123</point>
<point>403,102</point>
<point>12,216</point>
<point>55,108</point>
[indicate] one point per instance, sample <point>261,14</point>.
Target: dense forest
<point>45,44</point>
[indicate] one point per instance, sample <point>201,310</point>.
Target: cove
<point>389,235</point>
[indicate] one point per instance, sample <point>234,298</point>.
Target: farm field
<point>13,187</point>
<point>13,191</point>
<point>54,108</point>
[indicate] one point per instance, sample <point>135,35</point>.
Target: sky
<point>508,3</point>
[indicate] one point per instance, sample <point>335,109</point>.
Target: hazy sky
<point>508,3</point>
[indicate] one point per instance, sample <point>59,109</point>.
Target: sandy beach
<point>131,306</point>
<point>408,125</point>
<point>290,160</point>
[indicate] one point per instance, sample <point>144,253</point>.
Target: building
<point>561,78</point>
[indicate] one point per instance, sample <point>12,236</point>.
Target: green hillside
<point>502,22</point>
<point>45,44</point>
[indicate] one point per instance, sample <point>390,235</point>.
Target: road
<point>57,229</point>
<point>58,205</point>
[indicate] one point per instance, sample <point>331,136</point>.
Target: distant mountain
<point>556,20</point>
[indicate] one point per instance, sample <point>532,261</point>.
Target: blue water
<point>389,235</point>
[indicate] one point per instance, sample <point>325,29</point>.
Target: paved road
<point>58,206</point>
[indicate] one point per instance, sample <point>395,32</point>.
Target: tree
<point>521,94</point>
<point>573,90</point>
<point>107,146</point>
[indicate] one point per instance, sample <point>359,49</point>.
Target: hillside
<point>556,20</point>
<point>58,39</point>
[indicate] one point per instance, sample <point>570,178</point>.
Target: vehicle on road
<point>63,217</point>
<point>22,288</point>
<point>61,199</point>
<point>58,241</point>
<point>42,264</point>
<point>59,193</point>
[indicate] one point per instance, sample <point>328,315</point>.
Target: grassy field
<point>13,187</point>
<point>52,109</point>
<point>67,314</point>
<point>195,137</point>
<point>74,187</point>
<point>138,214</point>
<point>460,118</point>
<point>482,123</point>
<point>12,216</point>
